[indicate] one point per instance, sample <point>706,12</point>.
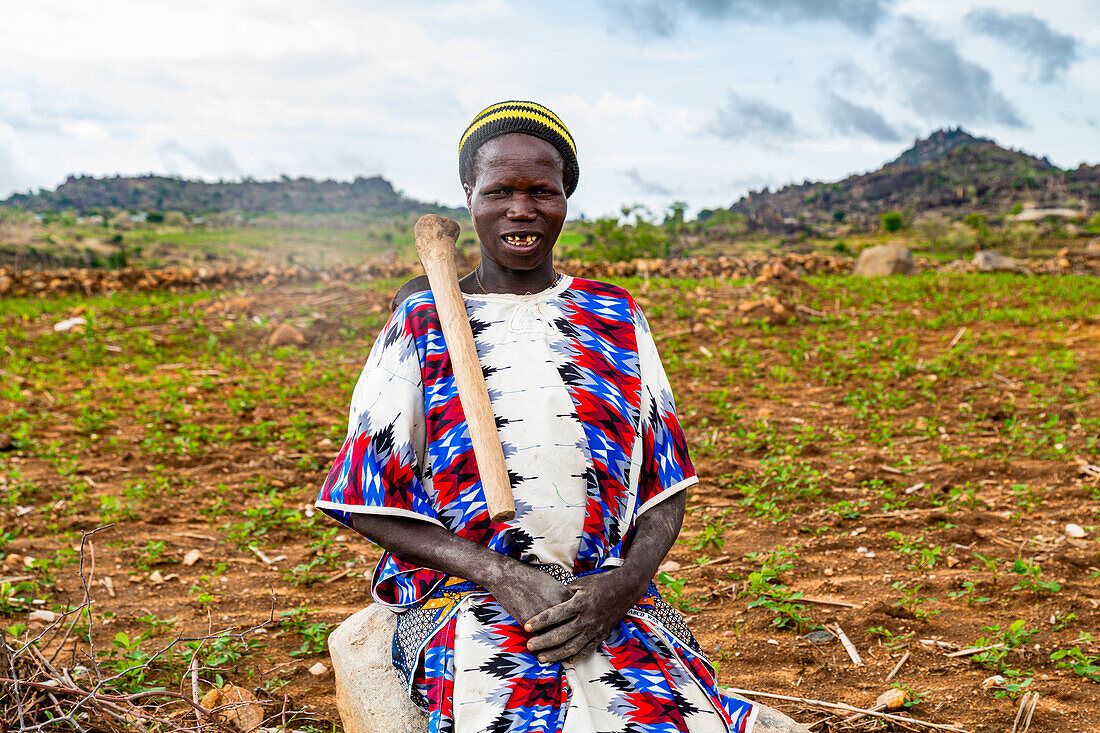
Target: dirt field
<point>900,457</point>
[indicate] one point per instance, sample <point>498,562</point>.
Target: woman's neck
<point>490,277</point>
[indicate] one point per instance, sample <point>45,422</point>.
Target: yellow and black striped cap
<point>530,118</point>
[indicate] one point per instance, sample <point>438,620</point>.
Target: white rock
<point>42,616</point>
<point>318,669</point>
<point>669,566</point>
<point>883,260</point>
<point>990,682</point>
<point>192,557</point>
<point>1075,531</point>
<point>368,695</point>
<point>68,324</point>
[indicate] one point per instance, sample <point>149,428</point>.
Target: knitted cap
<point>529,118</point>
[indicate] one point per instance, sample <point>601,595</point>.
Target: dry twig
<point>848,708</point>
<point>37,693</point>
<point>849,647</point>
<point>898,666</point>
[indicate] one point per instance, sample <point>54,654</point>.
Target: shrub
<point>893,221</point>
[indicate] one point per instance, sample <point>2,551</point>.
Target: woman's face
<point>517,200</point>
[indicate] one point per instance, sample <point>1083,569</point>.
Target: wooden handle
<point>435,245</point>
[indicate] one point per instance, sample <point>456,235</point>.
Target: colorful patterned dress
<point>591,441</point>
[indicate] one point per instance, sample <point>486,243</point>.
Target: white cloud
<point>86,131</point>
<point>340,88</point>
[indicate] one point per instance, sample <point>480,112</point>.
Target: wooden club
<point>435,245</point>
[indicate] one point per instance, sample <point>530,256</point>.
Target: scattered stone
<point>820,636</point>
<point>5,284</point>
<point>286,335</point>
<point>191,557</point>
<point>883,260</point>
<point>318,670</point>
<point>242,710</point>
<point>42,616</point>
<point>237,305</point>
<point>777,272</point>
<point>156,578</point>
<point>769,309</point>
<point>990,682</point>
<point>1075,531</point>
<point>7,443</point>
<point>987,260</point>
<point>893,699</point>
<point>69,324</point>
<point>669,566</point>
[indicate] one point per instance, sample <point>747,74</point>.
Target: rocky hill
<point>951,171</point>
<point>87,194</point>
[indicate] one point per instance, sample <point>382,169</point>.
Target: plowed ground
<point>905,453</point>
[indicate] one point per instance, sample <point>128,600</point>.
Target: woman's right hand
<point>525,591</point>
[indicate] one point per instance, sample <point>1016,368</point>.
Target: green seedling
<point>1029,572</point>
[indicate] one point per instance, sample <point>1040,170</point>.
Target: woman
<point>548,622</point>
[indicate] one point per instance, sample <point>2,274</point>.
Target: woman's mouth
<point>522,242</point>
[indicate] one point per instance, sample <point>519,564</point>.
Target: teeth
<point>515,239</point>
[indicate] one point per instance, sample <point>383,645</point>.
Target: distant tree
<point>1094,223</point>
<point>893,221</point>
<point>976,222</point>
<point>674,225</point>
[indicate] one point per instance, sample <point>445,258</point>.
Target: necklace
<point>477,276</point>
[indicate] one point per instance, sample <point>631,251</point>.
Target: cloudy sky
<point>697,100</point>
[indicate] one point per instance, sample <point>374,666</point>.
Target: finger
<point>556,636</point>
<point>551,617</point>
<point>567,650</point>
<point>588,649</point>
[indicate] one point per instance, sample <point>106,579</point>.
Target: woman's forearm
<point>431,546</point>
<point>654,534</point>
<point>521,589</point>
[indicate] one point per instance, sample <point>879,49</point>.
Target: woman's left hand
<point>580,624</point>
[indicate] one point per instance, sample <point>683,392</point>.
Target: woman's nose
<point>521,207</point>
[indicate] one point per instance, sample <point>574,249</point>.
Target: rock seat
<point>371,700</point>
